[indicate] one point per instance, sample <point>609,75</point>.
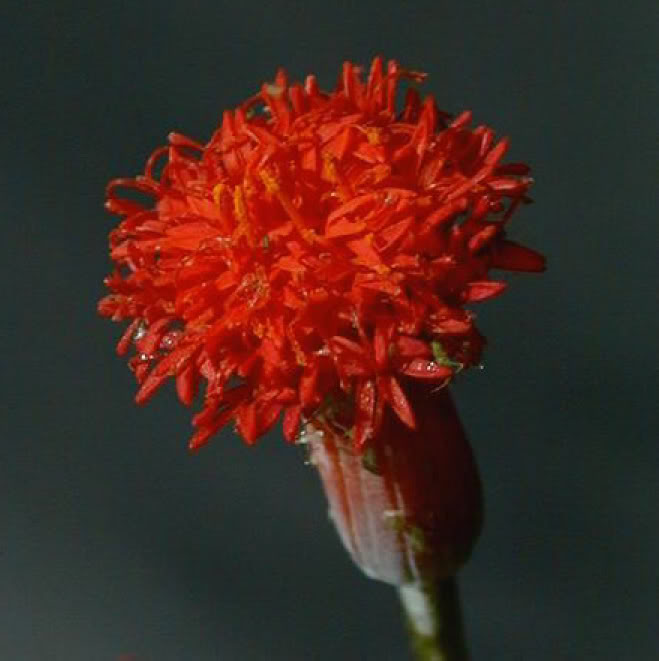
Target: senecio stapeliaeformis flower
<point>313,261</point>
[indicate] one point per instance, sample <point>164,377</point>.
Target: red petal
<point>230,399</point>
<point>291,423</point>
<point>343,345</point>
<point>287,263</point>
<point>123,207</point>
<point>482,238</point>
<point>462,119</point>
<point>151,384</point>
<point>365,252</point>
<point>126,339</point>
<point>383,336</point>
<point>270,352</point>
<point>390,235</point>
<point>378,284</point>
<point>247,423</point>
<point>513,168</point>
<point>350,356</point>
<point>374,86</point>
<point>380,347</point>
<point>508,186</point>
<point>151,341</point>
<point>495,155</point>
<point>511,256</point>
<point>480,291</point>
<point>344,228</point>
<point>167,367</point>
<point>378,418</point>
<point>443,215</point>
<point>267,417</point>
<point>451,326</point>
<point>227,280</point>
<point>393,393</point>
<point>308,381</point>
<point>179,140</point>
<point>428,370</point>
<point>186,384</point>
<point>410,347</point>
<point>203,435</point>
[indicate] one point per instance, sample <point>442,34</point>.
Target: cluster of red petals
<point>321,244</point>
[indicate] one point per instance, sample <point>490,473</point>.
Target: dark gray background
<point>115,541</point>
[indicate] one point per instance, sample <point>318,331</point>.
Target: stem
<point>434,620</point>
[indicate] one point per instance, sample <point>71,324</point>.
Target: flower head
<point>321,244</point>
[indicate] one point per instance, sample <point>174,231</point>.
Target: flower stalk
<point>434,620</point>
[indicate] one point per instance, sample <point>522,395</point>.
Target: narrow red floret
<point>321,244</point>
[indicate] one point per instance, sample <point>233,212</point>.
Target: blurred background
<point>116,542</point>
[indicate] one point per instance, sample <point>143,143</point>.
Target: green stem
<point>434,620</point>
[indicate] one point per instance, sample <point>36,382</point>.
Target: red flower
<point>320,244</point>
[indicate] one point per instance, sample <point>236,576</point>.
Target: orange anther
<point>240,212</point>
<point>248,186</point>
<point>373,135</point>
<point>270,181</point>
<point>239,208</point>
<point>332,173</point>
<point>218,189</point>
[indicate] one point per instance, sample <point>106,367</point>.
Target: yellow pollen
<point>300,358</point>
<point>270,181</point>
<point>329,167</point>
<point>332,173</point>
<point>299,355</point>
<point>373,135</point>
<point>274,90</point>
<point>239,207</point>
<point>248,186</point>
<point>218,189</point>
<point>240,212</point>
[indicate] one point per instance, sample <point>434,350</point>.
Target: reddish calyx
<point>410,508</point>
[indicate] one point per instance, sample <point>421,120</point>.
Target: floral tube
<point>409,509</point>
